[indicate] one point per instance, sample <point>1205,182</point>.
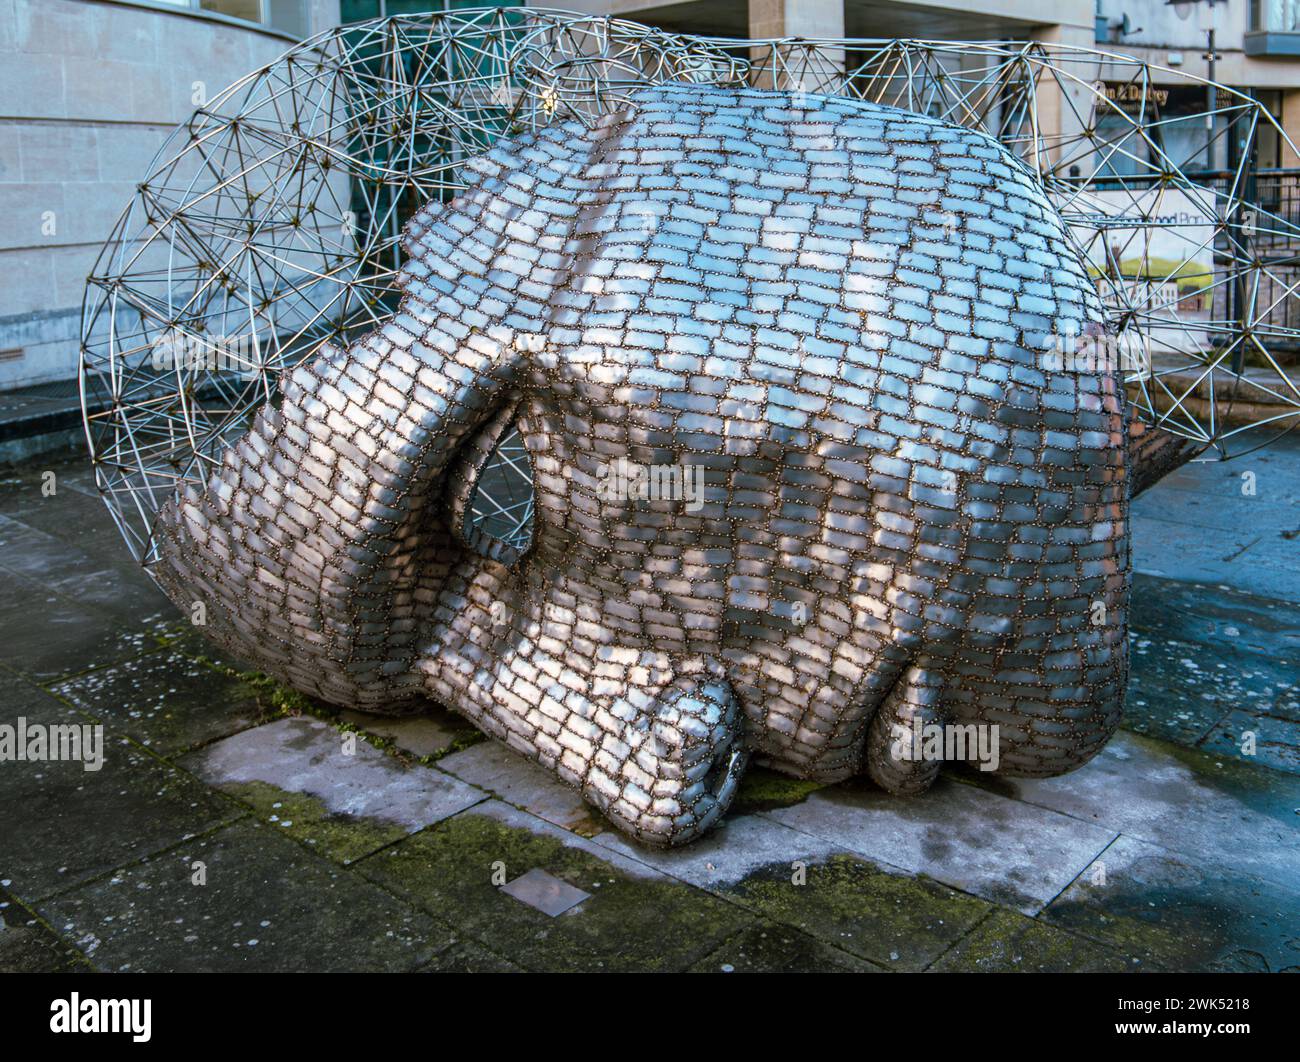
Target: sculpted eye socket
<point>491,492</point>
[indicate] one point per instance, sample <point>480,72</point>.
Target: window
<point>1275,16</point>
<point>248,10</point>
<point>1273,28</point>
<point>289,16</point>
<point>359,10</point>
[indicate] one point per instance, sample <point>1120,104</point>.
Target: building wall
<point>88,91</point>
<point>1163,38</point>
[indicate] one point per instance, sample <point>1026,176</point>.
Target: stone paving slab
<point>1217,616</point>
<point>470,957</point>
<point>166,701</point>
<point>974,840</point>
<point>69,638</point>
<point>1168,550</point>
<point>896,921</point>
<point>424,735</point>
<point>35,949</point>
<point>739,846</point>
<point>88,577</point>
<point>1247,558</point>
<point>1275,741</point>
<point>753,859</point>
<point>635,919</point>
<point>1209,663</point>
<point>64,824</point>
<point>121,597</point>
<point>1203,872</point>
<point>27,945</point>
<point>1198,501</point>
<point>1212,811</point>
<point>1174,913</point>
<point>515,819</point>
<point>769,947</point>
<point>1180,692</point>
<point>267,904</point>
<point>23,486</point>
<point>355,802</point>
<point>74,513</point>
<point>42,557</point>
<point>545,892</point>
<point>1287,706</point>
<point>61,559</point>
<point>1197,524</point>
<point>1009,942</point>
<point>490,765</point>
<point>177,633</point>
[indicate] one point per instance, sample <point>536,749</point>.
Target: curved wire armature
<point>269,222</point>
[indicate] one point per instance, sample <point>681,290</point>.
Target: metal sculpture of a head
<point>793,475</point>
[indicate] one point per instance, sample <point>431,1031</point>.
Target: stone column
<point>1291,126</point>
<point>813,19</point>
<point>1064,105</point>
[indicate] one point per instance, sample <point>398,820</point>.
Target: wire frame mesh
<point>501,506</point>
<point>270,221</point>
<point>1191,242</point>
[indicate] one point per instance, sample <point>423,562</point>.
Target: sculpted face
<point>799,473</point>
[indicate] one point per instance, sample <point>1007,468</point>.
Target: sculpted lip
<point>836,312</point>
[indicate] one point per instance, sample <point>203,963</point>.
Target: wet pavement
<point>235,825</point>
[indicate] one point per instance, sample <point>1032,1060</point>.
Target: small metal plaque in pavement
<point>544,891</point>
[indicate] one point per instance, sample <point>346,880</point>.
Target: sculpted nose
<point>684,759</point>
